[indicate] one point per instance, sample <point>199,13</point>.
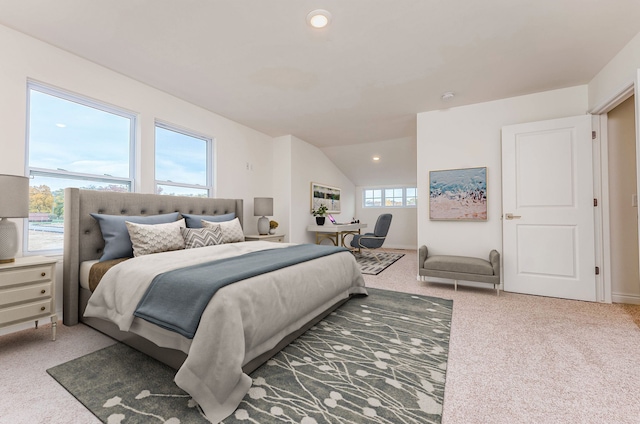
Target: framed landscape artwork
<point>322,194</point>
<point>458,194</point>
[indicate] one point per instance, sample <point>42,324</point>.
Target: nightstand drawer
<point>29,310</point>
<point>277,238</point>
<point>25,275</point>
<point>25,294</point>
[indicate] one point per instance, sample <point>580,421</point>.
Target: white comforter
<point>242,321</point>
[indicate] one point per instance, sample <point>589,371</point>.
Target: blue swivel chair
<point>376,239</point>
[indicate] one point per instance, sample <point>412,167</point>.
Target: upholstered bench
<point>460,268</point>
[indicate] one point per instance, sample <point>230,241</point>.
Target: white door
<point>547,206</point>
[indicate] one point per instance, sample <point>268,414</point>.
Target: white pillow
<point>201,237</point>
<point>147,239</point>
<point>231,230</point>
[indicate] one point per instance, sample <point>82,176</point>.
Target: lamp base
<point>8,241</point>
<point>263,226</point>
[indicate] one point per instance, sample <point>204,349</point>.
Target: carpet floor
<point>512,359</point>
<point>380,358</point>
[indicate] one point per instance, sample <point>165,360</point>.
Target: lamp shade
<point>262,206</point>
<point>14,196</point>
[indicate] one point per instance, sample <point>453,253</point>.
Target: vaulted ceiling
<point>362,79</point>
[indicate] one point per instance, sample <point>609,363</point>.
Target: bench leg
<point>455,285</point>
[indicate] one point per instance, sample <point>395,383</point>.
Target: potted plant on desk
<point>320,214</point>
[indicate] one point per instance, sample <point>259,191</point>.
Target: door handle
<point>512,216</point>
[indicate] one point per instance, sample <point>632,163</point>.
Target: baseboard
<point>399,246</point>
<point>632,299</point>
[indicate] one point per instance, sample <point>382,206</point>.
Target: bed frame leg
<point>455,285</point>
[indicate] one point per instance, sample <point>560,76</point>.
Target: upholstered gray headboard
<point>83,239</point>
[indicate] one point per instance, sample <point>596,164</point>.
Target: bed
<point>213,365</point>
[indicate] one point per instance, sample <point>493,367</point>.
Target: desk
<point>335,232</point>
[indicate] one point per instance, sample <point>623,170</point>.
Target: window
<point>389,197</point>
<point>393,197</point>
<point>183,164</point>
<point>372,198</point>
<point>71,142</point>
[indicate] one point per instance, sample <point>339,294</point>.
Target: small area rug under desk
<point>370,265</point>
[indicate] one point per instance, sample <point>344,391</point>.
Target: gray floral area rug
<point>377,359</point>
<point>372,266</point>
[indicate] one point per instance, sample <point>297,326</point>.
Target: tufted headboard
<point>83,239</point>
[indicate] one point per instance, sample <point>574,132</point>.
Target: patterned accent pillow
<point>147,239</point>
<point>231,230</point>
<point>201,237</point>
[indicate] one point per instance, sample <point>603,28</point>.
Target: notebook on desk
<point>333,220</point>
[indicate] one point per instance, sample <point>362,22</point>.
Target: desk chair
<point>376,239</point>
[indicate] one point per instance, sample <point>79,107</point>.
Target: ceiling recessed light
<point>376,158</point>
<point>60,125</point>
<point>447,96</point>
<point>318,18</point>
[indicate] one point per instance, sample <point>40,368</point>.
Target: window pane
<point>181,191</point>
<point>393,197</point>
<point>180,158</point>
<point>46,208</point>
<point>372,198</point>
<point>69,136</point>
<point>411,196</point>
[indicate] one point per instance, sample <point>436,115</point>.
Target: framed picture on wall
<point>322,194</point>
<point>458,194</point>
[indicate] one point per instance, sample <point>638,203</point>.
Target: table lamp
<point>263,206</point>
<point>14,203</point>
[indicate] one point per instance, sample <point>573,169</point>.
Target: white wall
<point>403,233</point>
<point>470,136</point>
<point>236,145</point>
<point>620,72</point>
<point>282,178</point>
<point>309,164</point>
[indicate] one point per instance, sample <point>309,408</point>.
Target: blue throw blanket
<point>176,299</point>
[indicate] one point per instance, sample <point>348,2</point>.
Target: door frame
<point>601,181</point>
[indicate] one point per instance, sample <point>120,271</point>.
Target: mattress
<point>85,270</point>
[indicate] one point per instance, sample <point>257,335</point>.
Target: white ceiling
<point>360,80</point>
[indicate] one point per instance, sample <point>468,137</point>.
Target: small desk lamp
<point>263,206</point>
<point>14,203</point>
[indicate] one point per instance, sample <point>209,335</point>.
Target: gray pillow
<point>117,243</point>
<point>193,221</point>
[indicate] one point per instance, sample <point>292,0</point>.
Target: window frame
<point>383,197</point>
<point>209,158</point>
<point>31,172</point>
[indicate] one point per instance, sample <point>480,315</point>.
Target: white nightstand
<point>267,237</point>
<point>27,291</point>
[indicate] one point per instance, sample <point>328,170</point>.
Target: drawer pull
<point>42,274</point>
<point>42,308</point>
<point>43,291</point>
